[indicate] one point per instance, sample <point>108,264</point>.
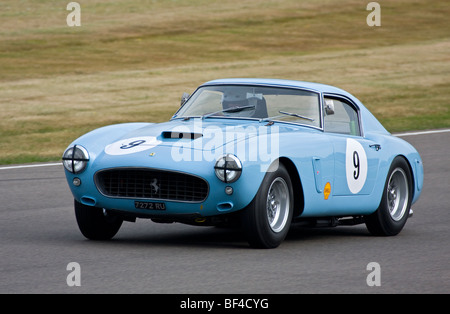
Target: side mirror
<point>329,107</point>
<point>184,98</point>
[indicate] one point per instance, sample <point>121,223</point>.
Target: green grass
<point>132,59</point>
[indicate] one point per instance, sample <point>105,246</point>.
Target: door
<point>356,158</point>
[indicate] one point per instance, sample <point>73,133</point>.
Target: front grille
<point>151,184</point>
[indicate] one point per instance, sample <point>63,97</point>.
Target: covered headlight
<point>228,168</point>
<point>75,159</point>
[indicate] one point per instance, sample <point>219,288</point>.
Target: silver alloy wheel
<point>277,204</point>
<point>397,194</point>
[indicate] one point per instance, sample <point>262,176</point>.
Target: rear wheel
<point>391,216</point>
<point>267,219</point>
<point>95,223</point>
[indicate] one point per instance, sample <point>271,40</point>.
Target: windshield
<point>257,102</point>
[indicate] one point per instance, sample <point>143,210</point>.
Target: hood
<point>193,139</point>
<point>200,134</point>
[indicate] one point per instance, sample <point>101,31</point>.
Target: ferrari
<point>258,154</point>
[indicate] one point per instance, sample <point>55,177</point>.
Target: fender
<point>96,140</point>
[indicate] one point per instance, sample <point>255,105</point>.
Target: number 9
<point>356,165</point>
<point>132,144</point>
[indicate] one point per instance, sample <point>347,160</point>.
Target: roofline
<point>280,82</point>
<point>368,120</point>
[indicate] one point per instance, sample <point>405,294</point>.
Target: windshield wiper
<point>233,109</point>
<point>270,119</point>
<point>296,115</point>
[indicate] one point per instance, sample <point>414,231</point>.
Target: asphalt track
<point>39,238</point>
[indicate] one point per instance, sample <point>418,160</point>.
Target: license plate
<point>149,205</point>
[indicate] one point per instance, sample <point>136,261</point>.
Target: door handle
<point>377,147</point>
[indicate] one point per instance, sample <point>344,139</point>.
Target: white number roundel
<point>355,166</point>
<point>132,145</point>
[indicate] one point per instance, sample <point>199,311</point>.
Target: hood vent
<point>181,135</point>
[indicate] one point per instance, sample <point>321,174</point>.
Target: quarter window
<point>340,117</point>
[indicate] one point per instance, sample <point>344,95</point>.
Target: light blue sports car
<point>254,153</point>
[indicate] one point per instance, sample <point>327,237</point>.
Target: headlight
<point>75,159</point>
<point>228,168</point>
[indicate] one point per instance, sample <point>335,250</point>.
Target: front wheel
<point>267,219</point>
<point>391,215</point>
<point>95,223</point>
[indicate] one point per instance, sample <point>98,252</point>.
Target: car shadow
<point>215,237</point>
<point>297,233</point>
<point>212,237</point>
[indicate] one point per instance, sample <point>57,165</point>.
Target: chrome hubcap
<point>397,194</point>
<point>277,205</point>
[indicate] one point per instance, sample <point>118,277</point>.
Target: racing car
<point>260,154</point>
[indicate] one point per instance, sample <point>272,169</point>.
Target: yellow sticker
<point>327,190</point>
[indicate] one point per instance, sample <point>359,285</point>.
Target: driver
<point>242,98</point>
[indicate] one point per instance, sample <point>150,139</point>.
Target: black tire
<point>263,230</point>
<point>390,217</point>
<point>94,224</point>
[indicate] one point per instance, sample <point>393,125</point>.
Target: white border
<point>31,166</point>
<point>421,133</point>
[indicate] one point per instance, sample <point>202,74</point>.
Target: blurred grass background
<point>132,59</point>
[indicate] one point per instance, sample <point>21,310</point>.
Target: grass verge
<point>131,61</point>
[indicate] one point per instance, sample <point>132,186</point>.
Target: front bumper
<point>216,203</point>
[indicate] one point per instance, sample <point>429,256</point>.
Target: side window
<point>340,117</point>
